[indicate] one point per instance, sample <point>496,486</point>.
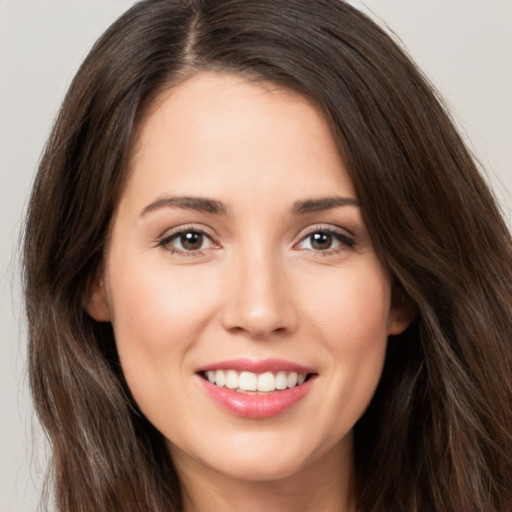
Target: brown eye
<point>326,241</point>
<point>321,241</point>
<point>191,241</point>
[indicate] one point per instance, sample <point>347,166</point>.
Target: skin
<point>256,288</point>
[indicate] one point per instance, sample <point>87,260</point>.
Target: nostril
<point>259,310</point>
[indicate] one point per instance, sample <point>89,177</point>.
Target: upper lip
<point>257,366</point>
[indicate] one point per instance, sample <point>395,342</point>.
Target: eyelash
<point>346,242</point>
<point>166,240</point>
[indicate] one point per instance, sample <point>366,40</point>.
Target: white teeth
<point>231,379</point>
<point>249,381</point>
<point>292,379</point>
<point>266,382</point>
<point>281,380</point>
<point>220,378</point>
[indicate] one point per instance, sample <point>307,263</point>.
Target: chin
<point>260,469</point>
<point>266,457</point>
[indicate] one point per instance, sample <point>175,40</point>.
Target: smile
<point>245,381</point>
<point>256,389</point>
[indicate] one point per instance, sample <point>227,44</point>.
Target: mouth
<point>256,389</point>
<point>251,382</point>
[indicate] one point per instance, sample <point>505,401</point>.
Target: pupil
<point>192,241</point>
<point>321,241</point>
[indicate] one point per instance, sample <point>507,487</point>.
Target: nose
<point>260,300</point>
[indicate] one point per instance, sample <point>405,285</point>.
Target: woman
<point>262,270</point>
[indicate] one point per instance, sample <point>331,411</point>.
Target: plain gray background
<point>464,46</point>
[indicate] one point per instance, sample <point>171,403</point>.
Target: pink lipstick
<point>256,389</point>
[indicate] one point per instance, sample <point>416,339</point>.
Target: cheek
<point>352,307</point>
<point>148,300</point>
<point>157,314</point>
<point>363,317</point>
<point>352,319</point>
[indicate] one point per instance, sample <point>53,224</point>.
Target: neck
<point>325,484</point>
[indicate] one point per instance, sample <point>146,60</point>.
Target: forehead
<point>219,130</point>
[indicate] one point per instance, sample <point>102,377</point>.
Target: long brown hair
<point>438,433</point>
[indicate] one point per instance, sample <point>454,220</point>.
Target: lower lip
<point>256,405</point>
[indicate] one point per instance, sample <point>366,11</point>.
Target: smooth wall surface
<point>464,46</point>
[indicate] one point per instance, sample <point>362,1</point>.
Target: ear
<point>400,318</point>
<point>402,313</point>
<point>96,303</point>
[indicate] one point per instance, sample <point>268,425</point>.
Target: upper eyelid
<point>325,227</point>
<point>304,232</point>
<point>169,233</point>
<point>344,236</point>
<point>167,238</point>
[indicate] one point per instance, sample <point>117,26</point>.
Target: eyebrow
<point>204,204</point>
<point>201,204</point>
<point>322,203</point>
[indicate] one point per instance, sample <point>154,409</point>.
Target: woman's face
<point>250,310</point>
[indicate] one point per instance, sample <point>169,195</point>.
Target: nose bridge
<point>259,297</point>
